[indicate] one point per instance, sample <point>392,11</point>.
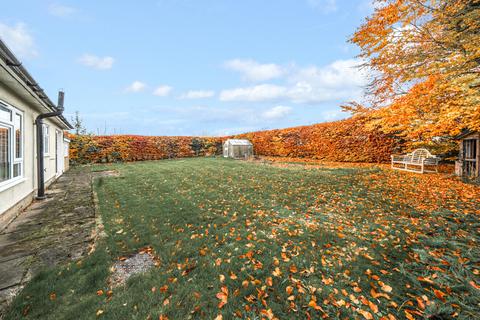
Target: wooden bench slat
<point>418,158</point>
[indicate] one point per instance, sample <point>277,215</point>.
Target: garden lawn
<point>239,239</point>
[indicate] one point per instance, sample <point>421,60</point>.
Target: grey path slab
<point>12,272</point>
<point>47,233</point>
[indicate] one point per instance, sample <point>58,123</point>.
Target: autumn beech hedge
<point>344,141</point>
<point>98,149</point>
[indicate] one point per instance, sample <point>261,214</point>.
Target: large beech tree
<point>425,61</point>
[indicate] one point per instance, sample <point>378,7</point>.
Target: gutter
<point>23,77</point>
<point>17,68</point>
<point>40,146</point>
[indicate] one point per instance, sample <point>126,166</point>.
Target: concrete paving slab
<point>47,233</point>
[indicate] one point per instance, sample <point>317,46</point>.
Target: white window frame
<point>10,125</point>
<point>66,147</point>
<point>18,160</point>
<point>46,140</point>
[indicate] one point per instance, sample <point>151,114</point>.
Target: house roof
<point>239,142</point>
<point>23,76</point>
<point>464,134</point>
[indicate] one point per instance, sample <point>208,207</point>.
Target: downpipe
<point>40,146</point>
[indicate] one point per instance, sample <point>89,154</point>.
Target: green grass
<point>334,234</point>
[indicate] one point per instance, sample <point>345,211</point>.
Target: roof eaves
<point>463,134</point>
<point>15,65</point>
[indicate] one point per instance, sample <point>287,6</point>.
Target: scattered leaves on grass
<point>222,296</point>
<point>270,241</point>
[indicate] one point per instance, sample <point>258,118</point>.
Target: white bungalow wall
<point>23,189</point>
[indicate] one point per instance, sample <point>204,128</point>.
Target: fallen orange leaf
<point>439,294</point>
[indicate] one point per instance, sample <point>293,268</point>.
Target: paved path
<point>47,233</point>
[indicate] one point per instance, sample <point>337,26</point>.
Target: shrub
<point>95,149</point>
<point>345,140</point>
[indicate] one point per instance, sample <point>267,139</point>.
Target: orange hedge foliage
<point>345,141</point>
<point>89,148</point>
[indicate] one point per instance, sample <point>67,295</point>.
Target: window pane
<point>17,170</point>
<point>4,154</point>
<point>470,148</point>
<point>18,136</point>
<point>5,113</point>
<point>46,138</point>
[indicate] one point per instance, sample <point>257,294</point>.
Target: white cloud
<point>235,130</point>
<point>19,39</point>
<point>208,120</point>
<point>99,63</point>
<point>136,86</point>
<point>60,10</point>
<point>163,91</point>
<point>276,113</point>
<point>340,73</point>
<point>263,92</point>
<point>198,94</point>
<point>212,114</point>
<point>326,6</point>
<point>209,116</point>
<point>370,6</point>
<point>254,71</point>
<point>333,115</point>
<point>340,80</point>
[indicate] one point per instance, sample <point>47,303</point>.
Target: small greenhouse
<point>237,149</point>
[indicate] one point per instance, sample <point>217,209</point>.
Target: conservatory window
<point>11,143</point>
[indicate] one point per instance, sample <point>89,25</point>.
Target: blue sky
<point>191,67</point>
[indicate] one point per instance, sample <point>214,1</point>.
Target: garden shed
<point>468,164</point>
<point>237,149</point>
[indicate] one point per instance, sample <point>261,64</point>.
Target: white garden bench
<point>419,161</point>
